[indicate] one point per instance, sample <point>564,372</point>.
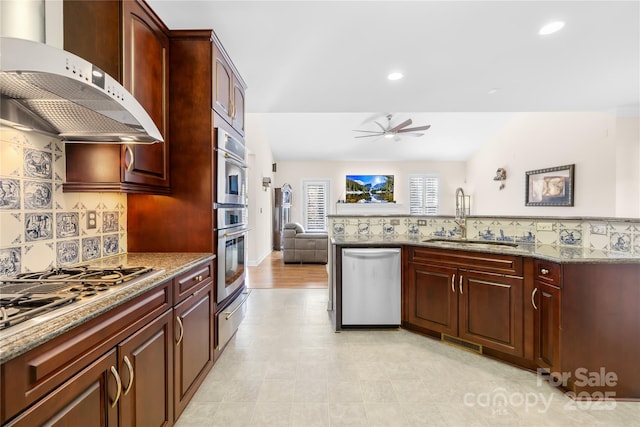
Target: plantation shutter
<point>424,194</point>
<point>315,204</point>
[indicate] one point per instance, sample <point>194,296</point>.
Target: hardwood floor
<point>273,273</point>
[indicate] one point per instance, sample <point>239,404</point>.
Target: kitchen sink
<point>467,242</point>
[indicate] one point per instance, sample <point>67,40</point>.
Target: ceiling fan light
<point>395,76</point>
<point>389,135</point>
<point>551,27</point>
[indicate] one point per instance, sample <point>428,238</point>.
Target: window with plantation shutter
<point>316,195</point>
<point>424,198</point>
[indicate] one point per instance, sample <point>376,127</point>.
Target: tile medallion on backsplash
<point>67,252</point>
<point>363,228</point>
<point>9,193</point>
<point>413,229</point>
<point>38,226</point>
<point>570,237</point>
<point>38,195</point>
<point>67,224</point>
<point>37,164</point>
<point>338,228</point>
<point>10,259</point>
<point>526,237</point>
<point>110,244</point>
<point>620,242</point>
<point>91,248</point>
<point>110,221</point>
<point>388,229</point>
<point>487,234</point>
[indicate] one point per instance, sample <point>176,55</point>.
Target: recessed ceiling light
<point>551,28</point>
<point>395,76</point>
<point>492,91</point>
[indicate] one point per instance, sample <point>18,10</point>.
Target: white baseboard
<point>253,263</point>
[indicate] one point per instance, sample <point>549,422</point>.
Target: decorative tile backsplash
<point>614,235</point>
<point>42,227</point>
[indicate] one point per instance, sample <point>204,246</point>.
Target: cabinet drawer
<point>478,261</point>
<point>184,284</point>
<point>548,272</point>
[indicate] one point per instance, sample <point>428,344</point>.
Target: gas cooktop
<point>30,295</point>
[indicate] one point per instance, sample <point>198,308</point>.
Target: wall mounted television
<point>369,189</point>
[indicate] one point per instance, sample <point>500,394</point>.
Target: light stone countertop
<point>554,253</point>
<point>24,336</point>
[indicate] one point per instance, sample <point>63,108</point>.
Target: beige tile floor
<point>287,367</point>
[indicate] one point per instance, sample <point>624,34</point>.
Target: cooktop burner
<point>30,294</point>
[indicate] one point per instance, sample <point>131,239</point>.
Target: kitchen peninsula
<point>557,306</point>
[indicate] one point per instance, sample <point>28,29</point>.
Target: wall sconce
<point>501,175</point>
<point>266,182</point>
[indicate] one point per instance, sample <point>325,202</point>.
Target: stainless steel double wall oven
<point>231,215</point>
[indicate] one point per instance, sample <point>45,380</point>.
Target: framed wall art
<point>550,187</point>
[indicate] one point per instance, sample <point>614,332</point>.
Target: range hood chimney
<point>52,91</point>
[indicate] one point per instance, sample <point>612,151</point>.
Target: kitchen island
<point>565,311</point>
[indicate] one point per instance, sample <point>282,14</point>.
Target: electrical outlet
<point>544,226</point>
<point>395,222</point>
<point>92,220</point>
<point>422,222</point>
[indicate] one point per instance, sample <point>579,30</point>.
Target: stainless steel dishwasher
<point>371,286</point>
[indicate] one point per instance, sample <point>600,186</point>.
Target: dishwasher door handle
<point>369,253</point>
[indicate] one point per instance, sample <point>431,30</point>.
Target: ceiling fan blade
<point>413,134</point>
<point>368,131</point>
<point>401,125</point>
<point>369,136</point>
<point>414,129</point>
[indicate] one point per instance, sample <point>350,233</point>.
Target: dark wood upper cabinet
<point>127,40</point>
<point>228,89</point>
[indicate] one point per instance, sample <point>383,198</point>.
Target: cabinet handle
<point>197,278</point>
<point>460,285</point>
<point>228,314</point>
<point>181,330</point>
<point>533,300</point>
<point>544,271</point>
<point>453,283</point>
<point>118,386</point>
<point>129,166</point>
<point>130,368</point>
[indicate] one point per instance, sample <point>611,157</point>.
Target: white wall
<point>628,167</point>
<point>294,172</point>
<point>541,140</point>
<point>260,201</point>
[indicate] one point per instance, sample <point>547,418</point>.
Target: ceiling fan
<point>394,132</point>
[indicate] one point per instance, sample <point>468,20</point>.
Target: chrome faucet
<point>461,209</point>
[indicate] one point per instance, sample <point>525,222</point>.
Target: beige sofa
<point>299,246</point>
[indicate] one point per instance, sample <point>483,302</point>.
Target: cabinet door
<point>432,298</point>
<point>222,82</point>
<point>546,326</point>
<point>145,361</point>
<point>193,345</point>
<point>238,106</point>
<point>87,398</point>
<point>490,311</point>
<point>146,76</point>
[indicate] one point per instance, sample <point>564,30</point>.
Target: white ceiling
<point>316,70</point>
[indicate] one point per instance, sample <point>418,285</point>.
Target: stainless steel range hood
<point>56,92</point>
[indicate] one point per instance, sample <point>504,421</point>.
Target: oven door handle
<point>235,233</point>
<point>235,160</point>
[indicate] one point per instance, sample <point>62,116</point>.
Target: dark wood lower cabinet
<point>484,308</point>
<point>431,300</point>
<point>86,399</point>
<point>145,363</point>
<point>193,345</point>
<point>490,310</point>
<point>546,347</point>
